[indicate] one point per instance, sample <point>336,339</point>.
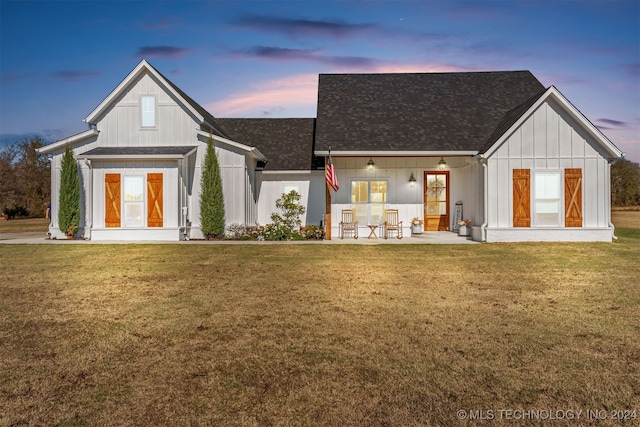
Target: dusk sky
<point>60,59</point>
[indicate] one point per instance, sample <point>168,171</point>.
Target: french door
<point>436,201</point>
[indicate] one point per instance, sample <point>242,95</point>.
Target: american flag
<point>330,175</point>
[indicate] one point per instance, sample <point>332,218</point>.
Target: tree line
<point>25,181</point>
<point>625,183</point>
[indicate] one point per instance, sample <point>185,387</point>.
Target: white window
<point>548,199</point>
<point>369,198</point>
<point>134,201</point>
<point>148,108</point>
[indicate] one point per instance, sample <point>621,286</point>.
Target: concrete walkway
<point>432,237</point>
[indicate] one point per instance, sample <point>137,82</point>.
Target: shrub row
<point>273,232</point>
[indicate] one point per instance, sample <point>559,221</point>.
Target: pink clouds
<point>300,90</point>
<point>291,91</point>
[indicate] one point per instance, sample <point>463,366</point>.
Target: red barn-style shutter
<point>112,200</point>
<point>573,197</point>
<point>154,200</point>
<point>521,198</point>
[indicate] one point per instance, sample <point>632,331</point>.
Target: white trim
<point>142,112</point>
<point>294,172</point>
<point>141,68</point>
<point>555,94</point>
<point>337,153</point>
<point>247,148</point>
<point>63,142</point>
<point>550,234</point>
<point>137,156</point>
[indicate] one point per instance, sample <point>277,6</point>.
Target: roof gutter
<point>252,150</point>
<point>63,142</point>
<point>395,153</point>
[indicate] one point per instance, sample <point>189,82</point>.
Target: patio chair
<point>348,225</point>
<point>391,224</point>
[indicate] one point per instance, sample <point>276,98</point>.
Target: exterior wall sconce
<point>370,164</point>
<point>442,164</point>
<point>412,180</point>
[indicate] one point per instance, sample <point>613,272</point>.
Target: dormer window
<point>148,105</point>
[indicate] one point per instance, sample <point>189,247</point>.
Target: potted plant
<point>416,226</point>
<point>71,231</point>
<point>464,227</point>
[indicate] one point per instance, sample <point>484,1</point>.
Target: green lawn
<point>316,334</point>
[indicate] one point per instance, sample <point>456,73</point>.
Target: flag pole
<point>327,207</point>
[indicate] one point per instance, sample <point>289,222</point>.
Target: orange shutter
<point>573,197</point>
<point>112,200</point>
<point>521,198</point>
<point>154,200</point>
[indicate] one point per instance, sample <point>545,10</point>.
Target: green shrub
<point>286,222</point>
<point>211,198</point>
<point>279,232</point>
<point>69,208</point>
<point>16,211</point>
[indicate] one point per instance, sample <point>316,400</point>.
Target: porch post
<point>327,207</point>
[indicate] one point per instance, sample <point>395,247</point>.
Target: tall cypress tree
<point>211,198</point>
<point>69,206</point>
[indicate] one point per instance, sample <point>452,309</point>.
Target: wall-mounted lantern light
<point>442,164</point>
<point>412,180</point>
<point>370,164</point>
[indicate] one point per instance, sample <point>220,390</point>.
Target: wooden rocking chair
<point>348,225</point>
<point>391,224</point>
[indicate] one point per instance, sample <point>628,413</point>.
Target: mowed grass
<point>316,334</point>
<point>24,225</point>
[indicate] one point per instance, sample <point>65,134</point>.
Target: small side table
<point>373,234</point>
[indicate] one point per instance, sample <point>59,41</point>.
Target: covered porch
<point>432,192</point>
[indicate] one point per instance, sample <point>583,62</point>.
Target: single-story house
<point>515,158</point>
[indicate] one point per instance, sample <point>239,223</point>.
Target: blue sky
<point>60,59</point>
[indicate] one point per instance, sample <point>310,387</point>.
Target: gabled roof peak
<point>202,115</point>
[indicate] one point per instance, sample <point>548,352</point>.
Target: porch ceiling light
<point>370,164</point>
<point>442,164</point>
<point>412,180</point>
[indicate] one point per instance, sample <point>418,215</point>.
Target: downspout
<point>483,227</point>
<point>89,221</point>
<point>51,168</point>
<point>608,196</point>
<point>184,209</point>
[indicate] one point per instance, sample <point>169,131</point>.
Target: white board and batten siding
<point>120,126</point>
<point>238,186</point>
<point>310,186</point>
<point>549,140</point>
<point>171,209</point>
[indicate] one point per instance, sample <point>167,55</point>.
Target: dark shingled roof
<point>208,117</point>
<point>508,120</point>
<point>418,111</point>
<point>139,151</point>
<point>286,143</point>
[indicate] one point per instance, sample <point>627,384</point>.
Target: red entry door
<point>436,201</point>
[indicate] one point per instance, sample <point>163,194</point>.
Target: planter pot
<point>416,228</point>
<point>464,230</point>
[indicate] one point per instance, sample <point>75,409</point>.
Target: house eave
<point>293,172</point>
<point>48,149</point>
<point>253,151</point>
<point>142,153</point>
<point>338,153</point>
